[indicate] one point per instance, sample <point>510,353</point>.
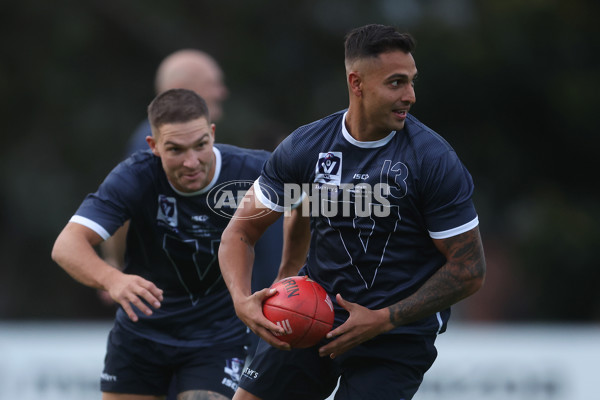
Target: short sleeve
<point>447,196</point>
<point>279,186</point>
<point>110,206</point>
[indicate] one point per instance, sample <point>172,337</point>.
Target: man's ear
<point>152,143</point>
<point>213,129</point>
<point>355,83</point>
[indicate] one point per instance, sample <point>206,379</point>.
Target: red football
<point>302,308</point>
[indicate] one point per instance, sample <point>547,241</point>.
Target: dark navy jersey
<point>375,207</point>
<point>173,241</point>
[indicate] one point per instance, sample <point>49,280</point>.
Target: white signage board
<point>63,361</point>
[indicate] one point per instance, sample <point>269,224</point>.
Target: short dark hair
<point>176,106</point>
<point>372,40</point>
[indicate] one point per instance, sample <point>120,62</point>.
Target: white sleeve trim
<point>455,231</point>
<point>264,200</point>
<point>273,206</point>
<point>90,224</point>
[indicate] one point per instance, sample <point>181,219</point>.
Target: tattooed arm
<point>461,276</point>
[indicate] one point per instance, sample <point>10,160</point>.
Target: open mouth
<point>401,113</point>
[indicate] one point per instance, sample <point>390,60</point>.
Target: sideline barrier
<point>63,361</point>
<point>52,361</point>
<point>515,362</point>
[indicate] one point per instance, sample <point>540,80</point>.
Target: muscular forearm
<point>113,249</point>
<point>296,241</point>
<point>461,276</point>
<point>76,255</point>
<point>236,257</point>
<point>74,252</point>
<point>236,251</point>
<point>442,290</point>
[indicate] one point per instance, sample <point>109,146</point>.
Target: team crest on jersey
<point>167,210</point>
<point>329,168</point>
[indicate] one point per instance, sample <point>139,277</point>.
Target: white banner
<point>52,361</point>
<point>497,362</point>
<point>63,361</point>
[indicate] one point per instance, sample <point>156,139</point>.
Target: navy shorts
<point>386,367</point>
<point>136,365</point>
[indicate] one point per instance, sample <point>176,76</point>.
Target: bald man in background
<point>186,69</point>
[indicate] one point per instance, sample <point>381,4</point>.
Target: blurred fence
<point>63,361</point>
<point>500,362</point>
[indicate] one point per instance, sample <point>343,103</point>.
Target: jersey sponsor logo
<point>225,198</point>
<point>200,227</point>
<point>108,378</point>
<point>329,168</point>
<point>229,383</point>
<point>250,373</point>
<point>167,210</point>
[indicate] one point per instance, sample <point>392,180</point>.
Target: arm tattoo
<point>461,276</point>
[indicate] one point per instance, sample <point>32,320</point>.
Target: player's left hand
<point>362,324</point>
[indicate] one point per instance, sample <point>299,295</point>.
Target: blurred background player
<point>198,71</point>
<point>176,321</point>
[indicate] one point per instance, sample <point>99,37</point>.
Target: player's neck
<point>361,129</point>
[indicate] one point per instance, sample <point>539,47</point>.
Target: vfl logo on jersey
<point>167,210</point>
<point>329,168</point>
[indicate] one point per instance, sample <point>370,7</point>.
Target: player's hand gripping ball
<point>302,308</point>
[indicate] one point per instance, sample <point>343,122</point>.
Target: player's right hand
<point>133,290</point>
<point>249,310</point>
